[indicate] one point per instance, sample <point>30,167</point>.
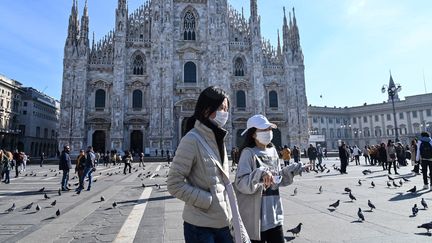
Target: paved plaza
<point>150,214</point>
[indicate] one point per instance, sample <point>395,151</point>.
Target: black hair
<point>208,102</point>
<point>249,141</point>
<point>425,134</point>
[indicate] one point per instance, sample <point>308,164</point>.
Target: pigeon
<point>59,192</point>
<point>45,175</point>
<point>427,226</point>
<point>412,190</point>
<point>11,209</point>
<point>54,203</point>
<point>388,184</point>
<point>390,178</point>
<point>351,196</point>
<point>37,207</point>
<point>394,184</point>
<point>359,182</point>
<point>28,206</point>
<point>295,231</point>
<point>400,182</point>
<point>94,180</point>
<point>372,184</point>
<point>55,174</point>
<point>58,212</point>
<point>143,185</point>
<point>360,215</point>
<point>424,204</point>
<point>46,196</point>
<point>347,189</point>
<point>328,171</point>
<point>114,205</point>
<point>414,210</point>
<point>335,205</point>
<point>295,191</point>
<point>102,199</point>
<point>78,192</point>
<point>42,189</point>
<point>320,189</point>
<point>371,205</point>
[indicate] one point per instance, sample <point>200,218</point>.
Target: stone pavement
<point>150,214</point>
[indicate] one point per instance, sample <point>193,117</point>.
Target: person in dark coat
<point>344,156</point>
<point>65,165</point>
<point>382,156</point>
<point>312,155</point>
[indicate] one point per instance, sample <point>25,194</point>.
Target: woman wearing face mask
<point>257,181</point>
<point>195,177</point>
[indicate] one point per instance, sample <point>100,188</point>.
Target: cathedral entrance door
<point>99,139</point>
<point>239,138</point>
<point>277,139</point>
<point>183,126</point>
<point>136,141</point>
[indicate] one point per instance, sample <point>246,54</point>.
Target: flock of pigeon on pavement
<point>361,218</point>
<point>28,207</point>
<point>295,231</point>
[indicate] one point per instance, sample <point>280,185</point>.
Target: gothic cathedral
<point>135,88</point>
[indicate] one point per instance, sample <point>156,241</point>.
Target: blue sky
<point>349,45</point>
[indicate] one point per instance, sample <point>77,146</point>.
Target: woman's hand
<point>267,179</point>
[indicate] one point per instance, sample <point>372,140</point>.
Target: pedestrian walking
<point>65,165</point>
<point>141,159</point>
<point>286,155</point>
<point>6,159</point>
<point>312,155</point>
<point>42,158</point>
<point>257,181</point>
<point>414,162</point>
<point>344,156</point>
<point>79,169</point>
<point>424,155</point>
<point>296,154</point>
<point>391,156</point>
<point>356,153</point>
<point>197,171</point>
<point>127,160</point>
<point>366,155</point>
<point>25,159</point>
<point>89,167</point>
<point>320,156</point>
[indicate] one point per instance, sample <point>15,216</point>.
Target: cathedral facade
<point>135,88</point>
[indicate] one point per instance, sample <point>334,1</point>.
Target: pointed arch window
<point>137,97</point>
<point>241,99</point>
<point>273,99</point>
<point>189,26</point>
<point>239,67</point>
<point>138,65</point>
<point>100,98</point>
<point>190,73</point>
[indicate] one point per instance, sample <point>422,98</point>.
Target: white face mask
<point>264,137</point>
<point>221,118</point>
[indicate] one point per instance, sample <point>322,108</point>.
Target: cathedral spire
<point>284,18</point>
<point>254,10</point>
<point>73,27</point>
<point>295,41</point>
<point>279,52</point>
<point>84,33</point>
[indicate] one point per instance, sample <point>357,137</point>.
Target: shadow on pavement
<point>289,238</point>
<point>402,196</point>
<point>425,234</point>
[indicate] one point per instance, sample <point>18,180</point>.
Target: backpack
<point>425,150</point>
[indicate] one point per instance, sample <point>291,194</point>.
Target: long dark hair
<point>249,141</point>
<point>208,102</point>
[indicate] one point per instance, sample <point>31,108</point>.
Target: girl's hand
<point>267,179</point>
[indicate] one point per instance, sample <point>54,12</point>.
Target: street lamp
<point>392,90</point>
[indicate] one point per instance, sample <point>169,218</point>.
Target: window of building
<point>241,99</point>
<point>330,120</point>
<point>24,112</point>
<point>273,99</point>
<point>354,120</point>
<point>46,133</point>
<point>365,119</point>
<point>376,118</point>
<point>190,73</point>
<point>428,112</point>
<point>401,115</point>
<point>37,132</point>
<point>22,129</point>
<point>52,134</point>
<point>189,26</point>
<point>239,67</point>
<point>138,65</point>
<point>322,119</point>
<point>25,103</point>
<point>414,114</point>
<point>338,133</point>
<point>331,133</point>
<point>337,120</point>
<point>315,120</point>
<point>388,117</point>
<point>137,97</point>
<point>100,98</point>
